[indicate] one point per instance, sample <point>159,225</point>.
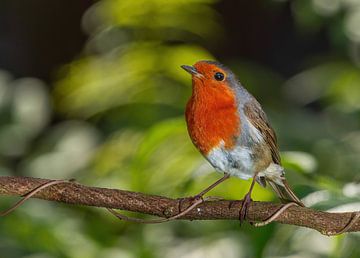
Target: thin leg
<point>195,201</point>
<point>212,186</point>
<point>199,196</point>
<point>246,201</point>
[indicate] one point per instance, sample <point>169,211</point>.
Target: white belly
<point>236,162</point>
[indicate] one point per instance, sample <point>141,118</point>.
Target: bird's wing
<point>258,119</point>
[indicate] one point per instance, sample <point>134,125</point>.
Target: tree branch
<point>74,193</point>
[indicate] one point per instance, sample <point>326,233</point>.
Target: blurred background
<point>92,90</point>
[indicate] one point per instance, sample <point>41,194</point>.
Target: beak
<point>191,70</point>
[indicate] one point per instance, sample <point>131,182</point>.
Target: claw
<point>190,199</point>
<point>244,208</point>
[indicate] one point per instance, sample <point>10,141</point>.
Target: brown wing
<point>257,118</point>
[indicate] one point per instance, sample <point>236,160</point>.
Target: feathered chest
<point>212,117</point>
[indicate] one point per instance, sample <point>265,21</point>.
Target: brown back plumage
<point>258,118</point>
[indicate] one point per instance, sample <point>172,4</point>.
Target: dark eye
<point>219,76</point>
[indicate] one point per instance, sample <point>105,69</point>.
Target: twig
<point>275,215</point>
<point>31,194</point>
<point>156,221</point>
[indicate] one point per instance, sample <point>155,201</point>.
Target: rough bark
<point>74,193</point>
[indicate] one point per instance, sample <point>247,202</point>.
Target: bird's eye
<point>219,76</point>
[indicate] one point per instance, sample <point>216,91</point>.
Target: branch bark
<point>74,193</point>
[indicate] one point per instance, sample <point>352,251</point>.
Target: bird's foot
<point>244,207</point>
<point>190,200</point>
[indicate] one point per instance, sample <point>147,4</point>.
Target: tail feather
<point>284,192</point>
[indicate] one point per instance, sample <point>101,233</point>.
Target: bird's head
<point>211,74</point>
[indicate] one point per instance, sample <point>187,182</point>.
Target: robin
<point>231,130</point>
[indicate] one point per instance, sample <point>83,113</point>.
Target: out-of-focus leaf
<point>304,162</point>
<point>161,14</point>
<point>135,73</point>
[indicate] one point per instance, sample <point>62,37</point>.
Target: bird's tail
<point>284,191</point>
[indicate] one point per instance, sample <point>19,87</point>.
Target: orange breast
<point>212,117</point>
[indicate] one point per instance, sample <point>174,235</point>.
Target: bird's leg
<point>246,201</point>
<point>212,186</point>
<point>194,202</point>
<point>200,195</point>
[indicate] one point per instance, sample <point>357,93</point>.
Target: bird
<point>230,129</point>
